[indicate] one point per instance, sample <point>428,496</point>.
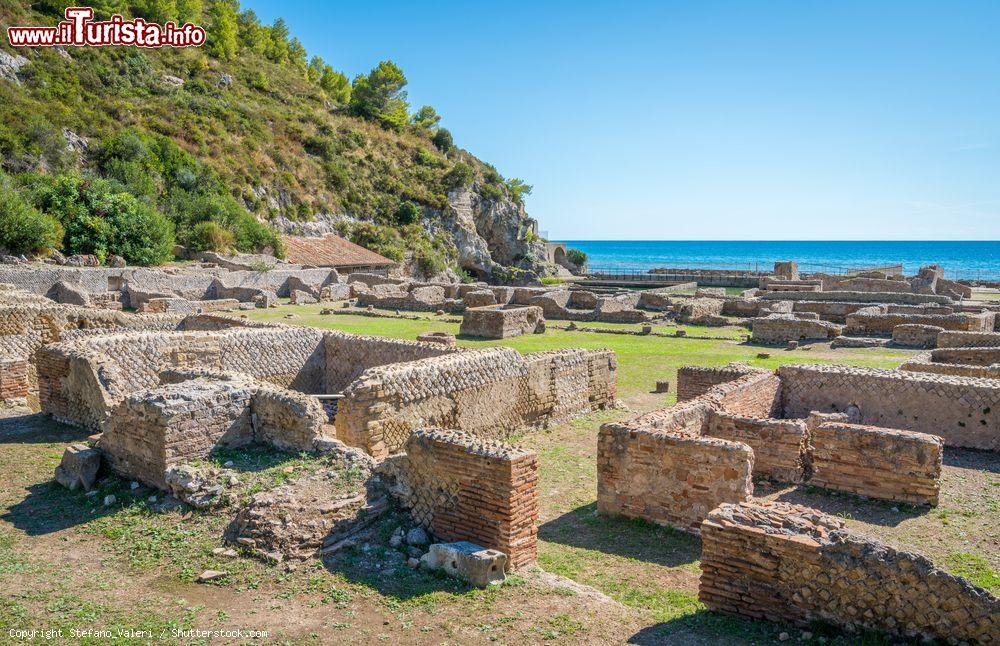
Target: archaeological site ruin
<point>163,369</point>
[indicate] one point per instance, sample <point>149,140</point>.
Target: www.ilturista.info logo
<point>80,29</point>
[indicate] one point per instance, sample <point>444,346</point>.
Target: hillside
<point>207,137</point>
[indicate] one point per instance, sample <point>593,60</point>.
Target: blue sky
<point>709,119</point>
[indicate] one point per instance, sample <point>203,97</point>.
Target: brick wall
<point>462,488</point>
<point>876,462</point>
<point>659,467</point>
<point>15,385</point>
<point>951,339</point>
<point>792,564</point>
<point>694,381</point>
<point>858,297</point>
<point>155,429</point>
<point>488,393</point>
<point>964,411</point>
<point>778,444</point>
<point>497,323</point>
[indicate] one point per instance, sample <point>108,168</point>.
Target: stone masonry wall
<point>792,564</point>
<point>964,411</point>
<point>877,323</point>
<point>658,467</point>
<point>488,393</point>
<point>462,488</point>
<point>155,429</point>
<point>349,355</point>
<point>952,339</point>
<point>782,328</point>
<point>694,381</point>
<point>495,322</point>
<point>15,385</point>
<point>81,381</point>
<point>876,462</point>
<point>778,444</point>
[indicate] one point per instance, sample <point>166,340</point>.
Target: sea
<point>970,260</point>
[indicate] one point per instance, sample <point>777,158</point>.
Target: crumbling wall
<point>694,381</point>
<point>916,336</point>
<point>858,297</point>
<point>792,564</point>
<point>81,381</point>
<point>15,385</point>
<point>874,321</point>
<point>462,488</point>
<point>782,328</point>
<point>964,411</point>
<point>953,339</point>
<point>495,322</point>
<point>876,462</point>
<point>778,444</point>
<point>286,419</point>
<point>659,467</point>
<point>153,430</point>
<point>349,355</point>
<point>488,393</point>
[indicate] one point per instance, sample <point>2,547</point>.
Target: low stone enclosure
<point>385,388</point>
<point>499,322</point>
<point>786,563</point>
<point>692,466</point>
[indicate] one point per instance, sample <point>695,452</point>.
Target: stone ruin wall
<point>156,429</point>
<point>349,355</point>
<point>791,564</point>
<point>462,488</point>
<point>916,335</point>
<point>951,339</point>
<point>659,467</point>
<point>15,380</point>
<point>495,322</point>
<point>876,462</point>
<point>24,329</point>
<point>695,381</point>
<point>186,420</point>
<point>876,322</point>
<point>778,444</point>
<point>488,393</point>
<point>964,411</point>
<point>80,382</point>
<point>858,297</point>
<point>674,465</point>
<point>781,328</point>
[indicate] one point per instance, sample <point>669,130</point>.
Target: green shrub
<point>576,257</point>
<point>407,213</point>
<point>23,229</point>
<point>491,192</point>
<point>99,217</point>
<point>443,140</point>
<point>459,176</point>
<point>210,236</point>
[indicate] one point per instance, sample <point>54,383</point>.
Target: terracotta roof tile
<point>331,251</point>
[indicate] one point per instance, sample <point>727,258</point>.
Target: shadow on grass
<point>848,506</point>
<point>38,428</point>
<point>628,537</point>
<point>50,507</point>
<point>707,627</point>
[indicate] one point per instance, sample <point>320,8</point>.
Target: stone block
<point>79,467</point>
<point>467,561</point>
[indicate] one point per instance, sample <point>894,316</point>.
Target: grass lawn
<point>67,560</point>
